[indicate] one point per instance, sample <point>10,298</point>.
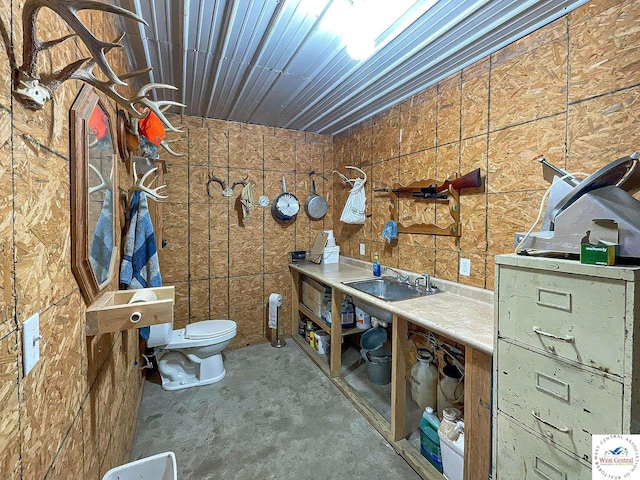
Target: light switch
<point>362,249</point>
<point>465,267</point>
<point>31,342</point>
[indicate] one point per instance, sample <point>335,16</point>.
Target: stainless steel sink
<point>388,289</point>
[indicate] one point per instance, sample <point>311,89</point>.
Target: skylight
<point>365,26</point>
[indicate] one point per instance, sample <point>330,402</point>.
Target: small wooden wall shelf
<point>112,312</point>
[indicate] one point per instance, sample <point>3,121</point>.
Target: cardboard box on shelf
<point>313,294</point>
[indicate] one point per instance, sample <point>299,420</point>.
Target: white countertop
<point>460,312</point>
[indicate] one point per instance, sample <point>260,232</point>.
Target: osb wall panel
<point>567,91</point>
<point>66,419</point>
<point>222,265</point>
<point>605,47</point>
<point>530,96</point>
<point>9,420</point>
<point>603,129</point>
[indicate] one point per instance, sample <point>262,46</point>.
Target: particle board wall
<point>73,415</point>
<point>568,91</point>
<point>221,266</point>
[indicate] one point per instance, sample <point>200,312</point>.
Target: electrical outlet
<point>465,267</point>
<point>362,249</point>
<point>31,342</point>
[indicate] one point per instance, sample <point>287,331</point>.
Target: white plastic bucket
<point>331,255</point>
<point>157,467</point>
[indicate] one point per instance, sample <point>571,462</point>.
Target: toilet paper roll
<point>143,295</point>
<point>275,300</point>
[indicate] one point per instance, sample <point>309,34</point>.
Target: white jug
<point>450,389</point>
<point>424,380</point>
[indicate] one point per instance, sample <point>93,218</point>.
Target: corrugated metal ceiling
<point>273,63</point>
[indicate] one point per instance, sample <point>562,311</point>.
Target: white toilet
<point>192,355</point>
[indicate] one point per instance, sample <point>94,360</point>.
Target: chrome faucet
<point>428,288</point>
<point>401,278</point>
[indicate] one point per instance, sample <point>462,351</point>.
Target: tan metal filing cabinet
<point>567,364</point>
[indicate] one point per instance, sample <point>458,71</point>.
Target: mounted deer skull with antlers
<point>226,191</point>
<point>33,90</point>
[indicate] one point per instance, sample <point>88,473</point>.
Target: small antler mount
<point>226,190</point>
<point>33,89</point>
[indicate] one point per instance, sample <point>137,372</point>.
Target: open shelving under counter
<point>462,314</point>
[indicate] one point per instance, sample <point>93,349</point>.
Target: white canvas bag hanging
<point>354,208</point>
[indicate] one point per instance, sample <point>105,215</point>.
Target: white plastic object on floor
<point>157,467</point>
<point>452,456</point>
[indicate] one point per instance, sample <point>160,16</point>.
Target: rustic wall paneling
<point>71,417</point>
<point>567,91</point>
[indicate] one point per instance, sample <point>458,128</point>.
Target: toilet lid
<point>209,329</point>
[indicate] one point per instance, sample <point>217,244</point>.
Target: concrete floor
<point>274,416</point>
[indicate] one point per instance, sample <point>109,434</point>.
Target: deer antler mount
<point>226,190</point>
<point>33,89</point>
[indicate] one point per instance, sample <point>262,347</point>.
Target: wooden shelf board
<point>314,318</point>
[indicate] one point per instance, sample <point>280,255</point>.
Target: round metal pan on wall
<point>316,205</point>
<point>285,206</point>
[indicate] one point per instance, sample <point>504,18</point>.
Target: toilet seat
<point>209,329</point>
<point>197,335</point>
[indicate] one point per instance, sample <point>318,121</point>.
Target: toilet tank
<point>159,334</point>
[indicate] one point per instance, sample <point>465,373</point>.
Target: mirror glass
<point>100,214</point>
<point>93,168</point>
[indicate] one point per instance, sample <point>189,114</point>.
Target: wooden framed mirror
<point>93,206</point>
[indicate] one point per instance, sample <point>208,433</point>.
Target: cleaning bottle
<point>429,440</point>
<point>348,313</point>
<point>376,265</point>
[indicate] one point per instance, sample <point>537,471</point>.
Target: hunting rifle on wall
<point>468,180</point>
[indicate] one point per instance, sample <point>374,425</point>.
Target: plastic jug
<point>450,420</point>
<point>424,380</point>
<point>348,314</point>
<point>363,320</point>
<point>429,440</point>
<point>451,438</point>
<point>450,388</point>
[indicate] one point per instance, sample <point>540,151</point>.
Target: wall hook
<point>351,181</point>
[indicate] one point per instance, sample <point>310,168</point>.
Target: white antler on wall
<point>138,184</point>
<point>33,90</point>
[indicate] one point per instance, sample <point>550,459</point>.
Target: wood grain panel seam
<point>568,82</point>
<point>544,117</point>
<point>600,95</point>
<point>62,445</point>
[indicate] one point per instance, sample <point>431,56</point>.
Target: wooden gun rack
<point>453,197</point>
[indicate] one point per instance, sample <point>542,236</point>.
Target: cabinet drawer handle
<point>567,338</point>
<point>549,424</point>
